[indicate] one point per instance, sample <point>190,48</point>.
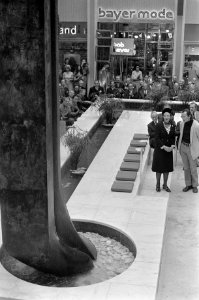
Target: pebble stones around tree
<point>112,259</point>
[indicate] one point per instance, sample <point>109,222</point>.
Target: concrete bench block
<point>130,166</point>
<point>137,143</point>
<point>132,157</point>
<point>140,136</point>
<point>134,150</point>
<point>126,175</point>
<point>122,186</point>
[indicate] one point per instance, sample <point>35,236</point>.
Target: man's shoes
<point>187,188</point>
<point>166,188</point>
<point>195,190</point>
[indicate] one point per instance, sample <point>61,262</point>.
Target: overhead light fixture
<point>136,36</point>
<point>167,30</point>
<point>148,36</point>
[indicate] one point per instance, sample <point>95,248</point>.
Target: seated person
<point>69,110</point>
<point>95,90</point>
<point>82,105</point>
<point>143,90</point>
<point>173,92</point>
<point>136,74</point>
<point>63,90</point>
<point>182,85</point>
<point>77,74</point>
<point>126,82</point>
<point>172,82</point>
<point>112,91</point>
<point>131,92</point>
<point>157,83</point>
<point>66,113</point>
<point>151,128</point>
<point>164,87</point>
<point>82,88</point>
<point>118,83</point>
<point>68,76</point>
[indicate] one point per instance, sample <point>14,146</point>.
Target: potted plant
<point>158,98</point>
<point>111,108</point>
<point>76,140</point>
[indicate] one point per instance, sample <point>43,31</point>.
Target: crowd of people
<point>75,98</point>
<point>165,136</point>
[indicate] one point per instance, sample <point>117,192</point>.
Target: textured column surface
<point>36,227</point>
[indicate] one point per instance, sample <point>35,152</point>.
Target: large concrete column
<point>91,40</point>
<point>36,227</point>
<point>178,60</point>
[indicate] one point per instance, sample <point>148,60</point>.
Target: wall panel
<point>72,10</point>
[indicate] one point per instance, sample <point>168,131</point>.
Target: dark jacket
<point>93,92</point>
<point>151,132</point>
<point>130,94</point>
<point>162,137</point>
<point>163,160</point>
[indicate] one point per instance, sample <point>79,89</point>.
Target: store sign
<point>73,29</point>
<point>115,15</point>
<point>123,47</point>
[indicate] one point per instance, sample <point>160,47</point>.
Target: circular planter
<point>29,274</point>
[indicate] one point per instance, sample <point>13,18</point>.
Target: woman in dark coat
<point>163,152</point>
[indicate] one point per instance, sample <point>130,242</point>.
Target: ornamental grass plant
<point>111,108</point>
<point>76,140</point>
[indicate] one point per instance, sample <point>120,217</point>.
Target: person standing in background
<point>152,128</point>
<point>188,147</point>
<point>194,111</point>
<point>104,76</point>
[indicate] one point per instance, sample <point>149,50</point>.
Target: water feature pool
<point>70,181</point>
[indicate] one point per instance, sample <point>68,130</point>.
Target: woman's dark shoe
<point>158,189</point>
<point>166,188</point>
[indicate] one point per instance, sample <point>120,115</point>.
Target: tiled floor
<point>141,216</point>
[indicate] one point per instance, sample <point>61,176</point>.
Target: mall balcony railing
<point>145,104</point>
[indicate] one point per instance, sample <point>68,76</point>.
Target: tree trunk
<point>36,227</point>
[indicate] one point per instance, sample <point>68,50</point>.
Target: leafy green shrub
<point>110,107</point>
<point>158,98</point>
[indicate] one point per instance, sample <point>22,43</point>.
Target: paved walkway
<point>179,274</point>
<point>179,270</point>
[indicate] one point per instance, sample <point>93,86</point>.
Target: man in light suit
<point>188,147</point>
<point>194,111</point>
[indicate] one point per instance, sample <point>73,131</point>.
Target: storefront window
<point>153,47</point>
<point>191,62</point>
